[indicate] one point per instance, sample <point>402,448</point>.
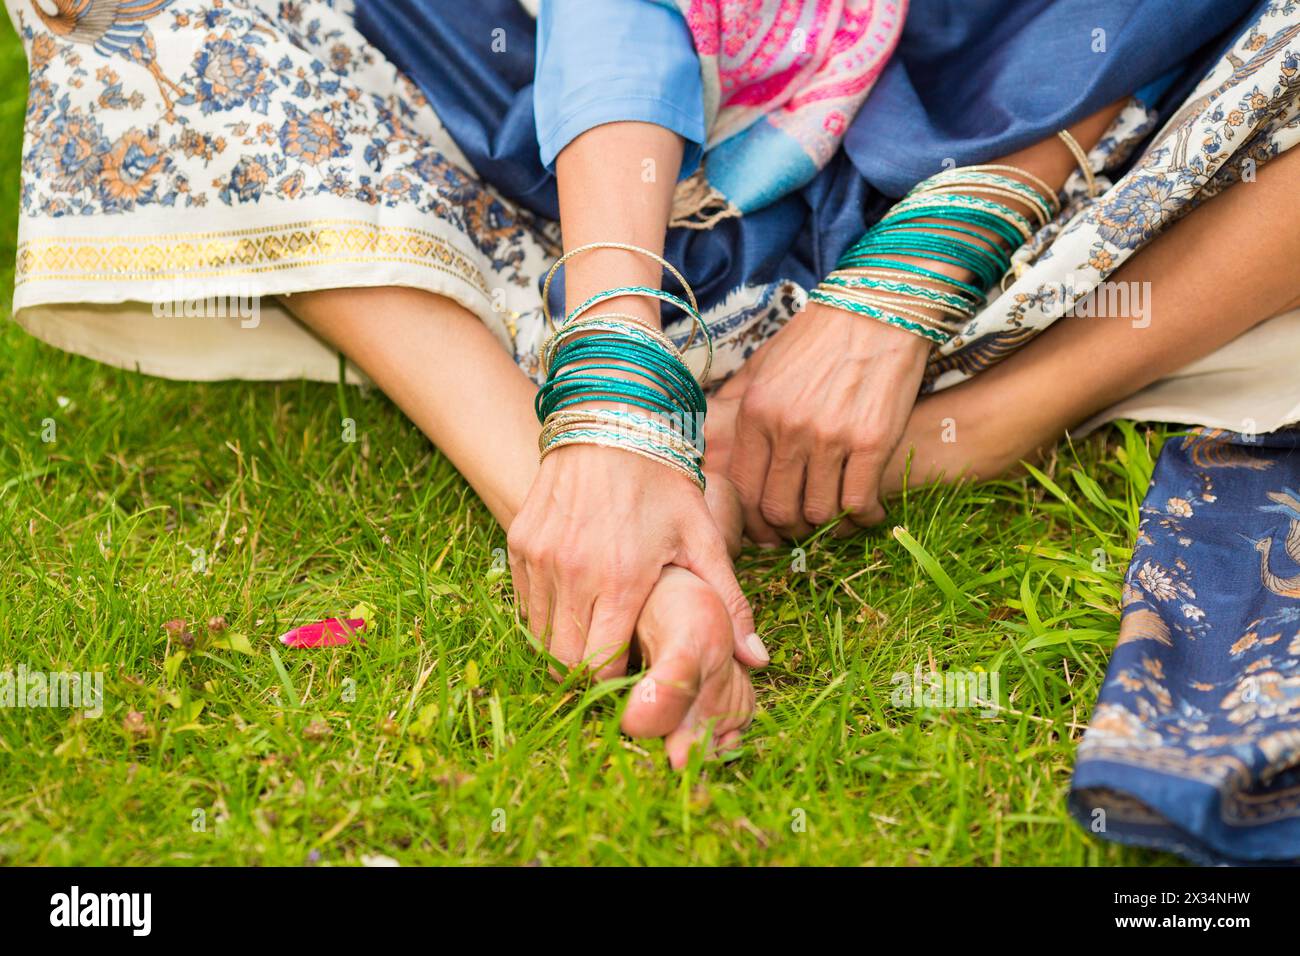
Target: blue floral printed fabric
<point>1194,745</point>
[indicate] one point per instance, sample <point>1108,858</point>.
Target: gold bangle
<point>965,189</point>
<point>900,299</point>
<point>882,320</point>
<point>884,305</point>
<point>626,247</point>
<point>1081,158</point>
<point>547,351</point>
<point>565,421</point>
<point>875,272</point>
<point>587,440</point>
<point>1047,191</point>
<point>930,200</point>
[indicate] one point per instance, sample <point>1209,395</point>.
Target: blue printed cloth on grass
<point>1194,745</point>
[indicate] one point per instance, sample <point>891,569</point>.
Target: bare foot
<point>965,432</point>
<point>694,690</point>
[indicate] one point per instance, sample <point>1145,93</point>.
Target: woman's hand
<point>598,527</point>
<point>821,412</point>
<point>600,524</point>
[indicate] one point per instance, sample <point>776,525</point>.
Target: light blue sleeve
<point>605,61</point>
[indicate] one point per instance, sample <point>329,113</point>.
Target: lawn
<point>440,740</point>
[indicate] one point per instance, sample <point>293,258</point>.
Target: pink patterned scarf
<point>782,81</point>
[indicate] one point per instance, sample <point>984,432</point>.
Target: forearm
<point>1195,297</point>
<point>1049,160</point>
<point>616,184</point>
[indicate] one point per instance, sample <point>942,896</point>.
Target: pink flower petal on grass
<point>330,632</point>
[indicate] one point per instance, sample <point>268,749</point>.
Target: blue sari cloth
<point>970,81</point>
<point>1194,745</point>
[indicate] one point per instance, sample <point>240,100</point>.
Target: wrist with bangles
<point>961,218</point>
<point>594,359</point>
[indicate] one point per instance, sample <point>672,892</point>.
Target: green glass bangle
<point>915,328</point>
<point>900,288</point>
<point>905,238</point>
<point>631,351</point>
<point>671,375</point>
<point>607,391</point>
<point>953,231</point>
<point>954,228</point>
<point>870,262</point>
<point>983,190</point>
<point>669,390</point>
<point>971,175</point>
<point>618,324</point>
<point>970,217</point>
<point>942,230</point>
<point>571,394</point>
<point>662,296</point>
<point>576,382</point>
<point>622,400</point>
<point>645,359</point>
<point>985,273</point>
<point>1006,213</point>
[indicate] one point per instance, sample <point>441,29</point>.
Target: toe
<point>723,708</point>
<point>660,700</point>
<point>685,634</point>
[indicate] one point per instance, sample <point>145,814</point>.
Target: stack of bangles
<point>594,359</point>
<point>961,217</point>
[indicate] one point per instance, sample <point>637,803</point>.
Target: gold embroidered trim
<point>1229,775</point>
<point>238,252</point>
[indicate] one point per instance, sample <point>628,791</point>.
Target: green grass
<point>442,724</point>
